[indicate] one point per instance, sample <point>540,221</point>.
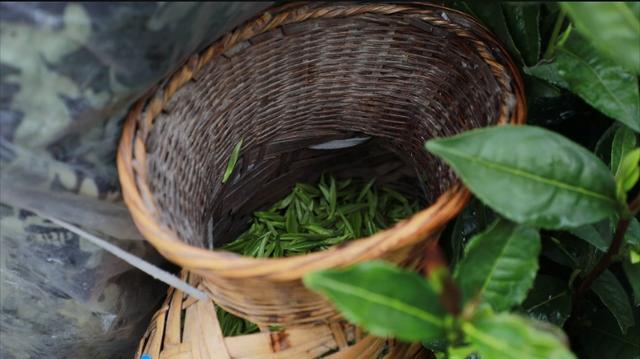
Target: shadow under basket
<point>294,78</point>
<point>188,328</point>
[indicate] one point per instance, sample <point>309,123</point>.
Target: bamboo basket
<point>297,76</point>
<point>185,328</point>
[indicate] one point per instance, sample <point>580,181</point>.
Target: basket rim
<point>138,198</point>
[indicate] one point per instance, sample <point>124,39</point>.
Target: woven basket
<point>184,328</point>
<point>298,76</point>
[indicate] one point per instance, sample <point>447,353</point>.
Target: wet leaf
<point>614,297</point>
<point>523,19</point>
<point>233,159</point>
<point>601,83</point>
<point>548,300</point>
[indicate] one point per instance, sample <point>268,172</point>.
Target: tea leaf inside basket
<point>233,159</point>
<point>313,218</point>
<point>233,326</point>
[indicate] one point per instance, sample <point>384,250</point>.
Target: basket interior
<point>303,84</point>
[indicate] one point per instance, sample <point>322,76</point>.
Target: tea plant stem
<point>605,261</point>
<point>437,270</point>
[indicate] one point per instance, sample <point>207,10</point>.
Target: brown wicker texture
<point>298,76</point>
<point>184,328</point>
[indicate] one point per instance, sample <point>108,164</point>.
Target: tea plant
<point>546,261</point>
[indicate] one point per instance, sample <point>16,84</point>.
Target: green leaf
<point>511,336</point>
<point>523,19</point>
<point>500,265</point>
<point>631,179</point>
<point>332,197</point>
<point>629,171</point>
<point>635,8</point>
<point>531,175</point>
<point>632,235</point>
<point>383,299</point>
<point>549,300</point>
<point>624,141</point>
<point>597,235</point>
<point>600,234</point>
<point>612,27</point>
<point>560,254</point>
<point>600,337</point>
<point>614,297</point>
<point>462,352</point>
<point>547,71</point>
<point>491,15</point>
<point>597,80</point>
<point>605,143</point>
<point>291,221</point>
<point>233,326</point>
<point>572,252</point>
<point>233,159</point>
<point>437,346</point>
<point>632,271</point>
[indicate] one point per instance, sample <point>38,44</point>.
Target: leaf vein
<point>549,300</point>
<point>531,176</point>
<point>490,341</point>
<point>614,97</point>
<point>382,300</point>
<point>495,264</point>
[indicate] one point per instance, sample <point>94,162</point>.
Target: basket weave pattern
<point>300,75</point>
<point>184,328</point>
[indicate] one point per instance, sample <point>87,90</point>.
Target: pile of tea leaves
<point>313,218</point>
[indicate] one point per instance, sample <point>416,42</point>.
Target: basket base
<point>186,328</point>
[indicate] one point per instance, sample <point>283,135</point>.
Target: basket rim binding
<point>131,155</point>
